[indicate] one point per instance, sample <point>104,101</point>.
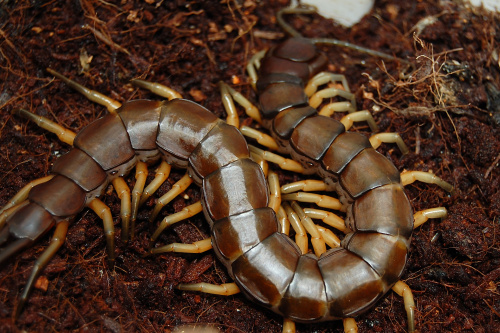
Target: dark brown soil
<point>447,110</point>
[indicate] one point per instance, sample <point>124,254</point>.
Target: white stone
<point>493,5</point>
<point>344,12</point>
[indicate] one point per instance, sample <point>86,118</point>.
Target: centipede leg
<point>177,189</point>
<point>90,94</point>
<point>320,200</point>
<point>232,115</point>
<point>316,239</point>
<point>162,173</point>
<point>423,216</point>
<point>157,88</point>
<point>283,221</point>
<point>275,191</point>
<point>141,173</point>
<point>288,326</point>
<point>261,162</point>
<point>64,134</point>
<point>22,195</point>
<point>253,65</point>
<point>9,211</point>
<point>305,185</point>
<point>408,177</point>
<point>123,192</point>
<point>320,95</point>
<point>226,289</point>
<point>104,213</point>
<point>358,116</point>
<point>329,237</point>
<point>402,289</point>
<point>292,192</point>
<point>262,138</point>
<point>300,231</point>
<point>283,163</point>
<point>55,243</point>
<point>377,139</point>
<point>196,247</point>
<point>184,214</point>
<point>350,325</point>
<point>228,94</point>
<point>324,78</point>
<point>327,217</point>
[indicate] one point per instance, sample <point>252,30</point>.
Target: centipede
<point>246,223</point>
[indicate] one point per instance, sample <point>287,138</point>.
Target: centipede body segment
<point>267,266</point>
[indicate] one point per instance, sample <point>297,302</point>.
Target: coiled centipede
<point>189,144</point>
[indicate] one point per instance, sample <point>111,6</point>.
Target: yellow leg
<point>316,99</point>
<point>377,139</point>
<point>22,195</point>
<point>141,173</point>
<point>9,211</point>
<point>274,189</point>
<point>350,325</point>
<point>316,240</point>
<point>263,139</point>
<point>104,213</point>
<point>432,213</point>
<point>408,177</point>
<point>324,201</point>
<point>64,134</point>
<point>157,88</point>
<point>327,217</point>
<point>161,175</point>
<point>92,95</point>
<point>253,66</point>
<point>185,213</point>
<point>329,237</point>
<point>283,163</point>
<point>55,244</point>
<point>353,117</point>
<point>196,247</point>
<point>331,108</point>
<point>324,78</point>
<point>300,231</point>
<point>176,189</point>
<point>226,289</point>
<point>304,185</point>
<point>283,221</point>
<point>123,192</point>
<point>403,290</point>
<point>228,102</point>
<point>288,326</point>
<point>261,162</point>
<point>229,95</point>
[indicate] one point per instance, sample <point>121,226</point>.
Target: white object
<point>344,12</point>
<point>493,5</point>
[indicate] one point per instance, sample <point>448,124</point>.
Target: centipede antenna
<point>361,49</point>
<point>328,41</point>
<point>303,9</point>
